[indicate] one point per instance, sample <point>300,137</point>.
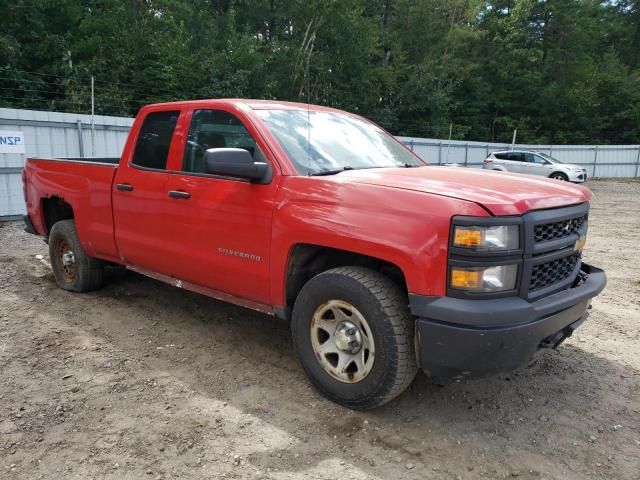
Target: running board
<point>209,292</point>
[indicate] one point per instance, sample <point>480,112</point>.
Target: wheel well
<point>306,261</point>
<point>559,172</point>
<point>55,209</point>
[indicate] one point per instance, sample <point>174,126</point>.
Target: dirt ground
<point>142,380</point>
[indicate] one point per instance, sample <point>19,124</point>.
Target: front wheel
<point>560,176</point>
<point>73,269</point>
<point>353,334</point>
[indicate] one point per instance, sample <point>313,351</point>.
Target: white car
<point>534,163</point>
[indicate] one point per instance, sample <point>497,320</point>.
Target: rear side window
<point>154,140</point>
<point>501,156</point>
<point>516,157</point>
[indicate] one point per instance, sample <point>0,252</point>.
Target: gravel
<point>240,406</point>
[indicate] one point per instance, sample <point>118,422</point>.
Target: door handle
<point>124,187</point>
<point>179,194</point>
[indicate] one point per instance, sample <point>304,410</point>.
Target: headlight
<point>484,279</point>
<point>487,238</point>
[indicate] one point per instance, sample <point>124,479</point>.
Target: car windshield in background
<point>550,158</point>
<point>337,142</point>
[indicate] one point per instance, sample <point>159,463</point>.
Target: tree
<point>557,70</point>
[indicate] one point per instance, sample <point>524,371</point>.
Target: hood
<point>501,193</point>
<point>571,166</point>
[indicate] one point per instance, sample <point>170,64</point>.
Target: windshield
<point>550,158</point>
<point>338,142</point>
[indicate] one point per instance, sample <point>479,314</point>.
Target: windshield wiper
<point>343,169</point>
<point>330,172</point>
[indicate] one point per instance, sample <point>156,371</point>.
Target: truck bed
<point>83,182</point>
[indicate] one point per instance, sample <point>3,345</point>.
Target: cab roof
<point>252,104</point>
<point>517,150</point>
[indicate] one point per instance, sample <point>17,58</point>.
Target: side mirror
<point>236,163</point>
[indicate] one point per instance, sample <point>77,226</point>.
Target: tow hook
<point>553,341</point>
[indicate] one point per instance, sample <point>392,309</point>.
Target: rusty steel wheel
<point>342,341</point>
<point>73,269</point>
<point>65,259</point>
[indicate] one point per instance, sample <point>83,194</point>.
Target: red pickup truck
<point>381,264</point>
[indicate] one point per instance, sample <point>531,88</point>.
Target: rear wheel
<point>560,176</point>
<point>353,333</point>
<point>73,269</point>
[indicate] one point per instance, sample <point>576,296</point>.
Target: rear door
<point>222,225</point>
<point>516,162</point>
<point>494,160</point>
<point>140,195</point>
<point>503,159</point>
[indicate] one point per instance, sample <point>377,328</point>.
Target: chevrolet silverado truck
<point>380,263</point>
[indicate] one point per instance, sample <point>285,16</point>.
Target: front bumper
<point>577,177</point>
<point>470,338</point>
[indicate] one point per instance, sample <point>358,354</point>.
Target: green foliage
<point>557,70</point>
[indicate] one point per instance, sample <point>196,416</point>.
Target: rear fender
<point>86,188</point>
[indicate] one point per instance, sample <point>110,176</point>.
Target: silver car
<point>535,163</point>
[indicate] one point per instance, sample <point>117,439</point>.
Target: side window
<point>530,158</point>
<point>215,129</point>
<point>516,156</point>
<point>501,156</point>
<point>154,140</point>
<point>539,160</point>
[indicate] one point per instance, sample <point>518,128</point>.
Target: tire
<point>389,366</point>
<point>73,269</point>
<point>559,176</point>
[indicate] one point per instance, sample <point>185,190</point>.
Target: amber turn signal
<point>466,279</point>
<point>498,278</point>
<point>467,237</point>
<point>487,238</point>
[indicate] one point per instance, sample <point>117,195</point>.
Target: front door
<point>222,225</point>
<point>538,165</point>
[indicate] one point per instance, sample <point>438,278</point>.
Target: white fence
<point>71,135</point>
<point>53,134</point>
<point>599,160</point>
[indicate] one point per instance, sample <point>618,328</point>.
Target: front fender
<point>406,228</point>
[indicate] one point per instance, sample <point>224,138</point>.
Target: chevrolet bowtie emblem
<point>580,243</point>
